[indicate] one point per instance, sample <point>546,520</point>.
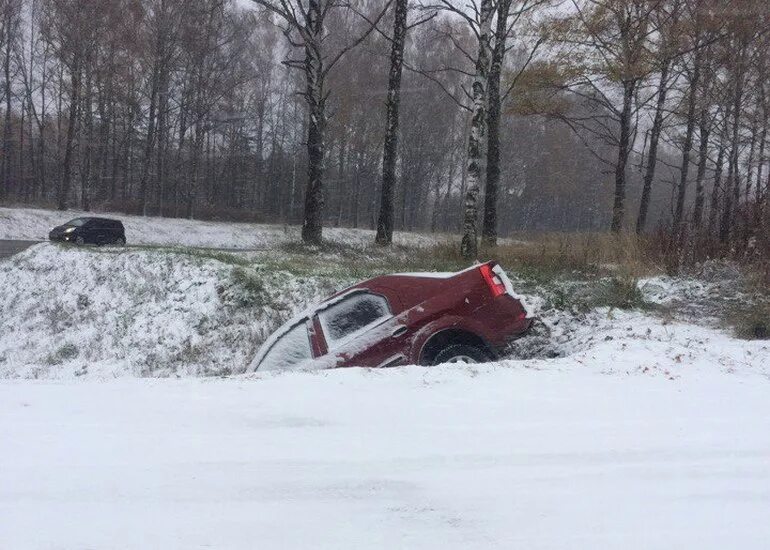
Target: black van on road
<point>96,231</point>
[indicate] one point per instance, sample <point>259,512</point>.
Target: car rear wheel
<point>120,241</point>
<point>461,353</point>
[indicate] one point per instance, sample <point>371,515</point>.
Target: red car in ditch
<point>403,319</point>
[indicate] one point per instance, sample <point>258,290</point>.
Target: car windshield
<point>77,222</point>
<point>290,349</point>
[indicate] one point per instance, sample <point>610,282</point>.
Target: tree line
<point>483,118</point>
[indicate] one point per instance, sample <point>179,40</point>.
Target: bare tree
<point>668,24</point>
<point>304,28</point>
<point>504,28</point>
<point>608,57</point>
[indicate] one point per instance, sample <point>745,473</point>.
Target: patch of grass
<point>620,293</point>
<point>326,247</point>
<point>549,255</point>
<point>752,323</point>
<point>252,291</point>
<point>210,254</point>
<point>67,352</point>
<point>564,297</point>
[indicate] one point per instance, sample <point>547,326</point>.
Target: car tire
<point>80,241</point>
<point>461,353</point>
<point>120,241</point>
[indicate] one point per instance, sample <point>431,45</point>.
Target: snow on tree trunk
<point>390,148</point>
<point>476,153</point>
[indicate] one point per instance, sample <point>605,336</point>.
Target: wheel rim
<point>462,359</point>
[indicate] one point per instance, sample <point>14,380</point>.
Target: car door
<point>360,330</point>
<point>91,232</point>
<point>100,232</point>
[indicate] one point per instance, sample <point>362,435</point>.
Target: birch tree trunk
<point>476,153</point>
<point>489,225</point>
<point>390,148</point>
<point>314,200</point>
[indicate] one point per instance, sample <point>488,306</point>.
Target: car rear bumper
<point>506,320</point>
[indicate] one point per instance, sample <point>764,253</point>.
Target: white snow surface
<point>493,456</point>
<point>34,224</point>
<point>87,313</point>
<point>644,434</point>
<point>102,313</point>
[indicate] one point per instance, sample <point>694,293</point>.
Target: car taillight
<point>496,285</point>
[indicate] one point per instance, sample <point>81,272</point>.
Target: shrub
<point>67,352</point>
<point>752,323</point>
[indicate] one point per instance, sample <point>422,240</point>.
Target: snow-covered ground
<point>67,312</point>
<point>103,313</point>
<point>643,433</point>
<point>494,456</point>
<point>106,313</point>
<point>34,224</point>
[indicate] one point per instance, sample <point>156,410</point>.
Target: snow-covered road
<point>449,457</point>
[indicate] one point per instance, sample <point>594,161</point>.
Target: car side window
<point>351,315</point>
<point>291,348</point>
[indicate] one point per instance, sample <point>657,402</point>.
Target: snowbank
<point>103,313</point>
<point>446,458</point>
<point>68,312</point>
<point>34,224</point>
<point>635,343</point>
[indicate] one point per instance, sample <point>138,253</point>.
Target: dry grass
<point>551,254</point>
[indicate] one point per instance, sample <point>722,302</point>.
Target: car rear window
<point>352,314</point>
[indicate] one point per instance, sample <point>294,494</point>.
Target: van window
<point>352,314</point>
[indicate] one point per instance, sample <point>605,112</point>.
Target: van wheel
<point>461,353</point>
